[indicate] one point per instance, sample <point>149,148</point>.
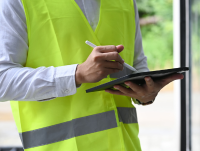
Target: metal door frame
<point>185,84</point>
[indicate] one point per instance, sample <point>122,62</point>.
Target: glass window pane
<point>195,44</point>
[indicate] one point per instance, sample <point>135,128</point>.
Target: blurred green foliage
<point>195,6</point>
<point>158,37</point>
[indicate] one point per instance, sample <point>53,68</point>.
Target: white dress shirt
<point>44,83</point>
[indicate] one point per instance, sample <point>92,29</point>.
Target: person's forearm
<point>16,81</point>
<point>28,84</point>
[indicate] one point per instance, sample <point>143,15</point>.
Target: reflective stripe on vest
<point>77,127</point>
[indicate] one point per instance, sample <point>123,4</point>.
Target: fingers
<point>135,91</point>
<point>133,86</point>
<point>110,52</point>
<point>120,48</point>
<point>114,92</point>
<point>109,65</point>
<point>150,84</point>
<point>125,91</point>
<point>176,76</point>
<point>102,61</point>
<point>113,56</point>
<point>140,91</point>
<point>170,78</point>
<point>106,49</point>
<point>110,48</point>
<point>146,92</point>
<point>114,65</point>
<point>121,91</point>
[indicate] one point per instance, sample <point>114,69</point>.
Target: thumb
<point>120,48</point>
<point>171,78</point>
<point>176,76</point>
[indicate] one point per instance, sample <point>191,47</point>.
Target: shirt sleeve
<point>140,60</point>
<point>22,83</point>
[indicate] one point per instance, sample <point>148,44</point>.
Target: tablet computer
<point>137,78</point>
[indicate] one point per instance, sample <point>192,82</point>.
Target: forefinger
<point>135,87</point>
<point>149,83</point>
<point>106,49</point>
<point>113,56</point>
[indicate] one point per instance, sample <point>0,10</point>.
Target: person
<point>46,67</point>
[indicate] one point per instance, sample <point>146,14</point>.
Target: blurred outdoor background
<point>158,122</point>
<point>156,20</point>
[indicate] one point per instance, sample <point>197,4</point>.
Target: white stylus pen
<point>125,64</point>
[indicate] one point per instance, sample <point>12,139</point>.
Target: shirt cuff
<point>65,80</point>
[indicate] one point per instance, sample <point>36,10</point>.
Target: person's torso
<point>57,31</point>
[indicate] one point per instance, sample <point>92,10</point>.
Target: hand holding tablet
<point>141,86</point>
<point>145,93</point>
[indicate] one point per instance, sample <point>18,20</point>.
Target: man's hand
<point>146,92</point>
<point>98,65</point>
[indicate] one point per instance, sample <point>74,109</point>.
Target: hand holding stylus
<point>98,64</point>
<point>125,64</point>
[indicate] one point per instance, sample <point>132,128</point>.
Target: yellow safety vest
<point>99,121</point>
